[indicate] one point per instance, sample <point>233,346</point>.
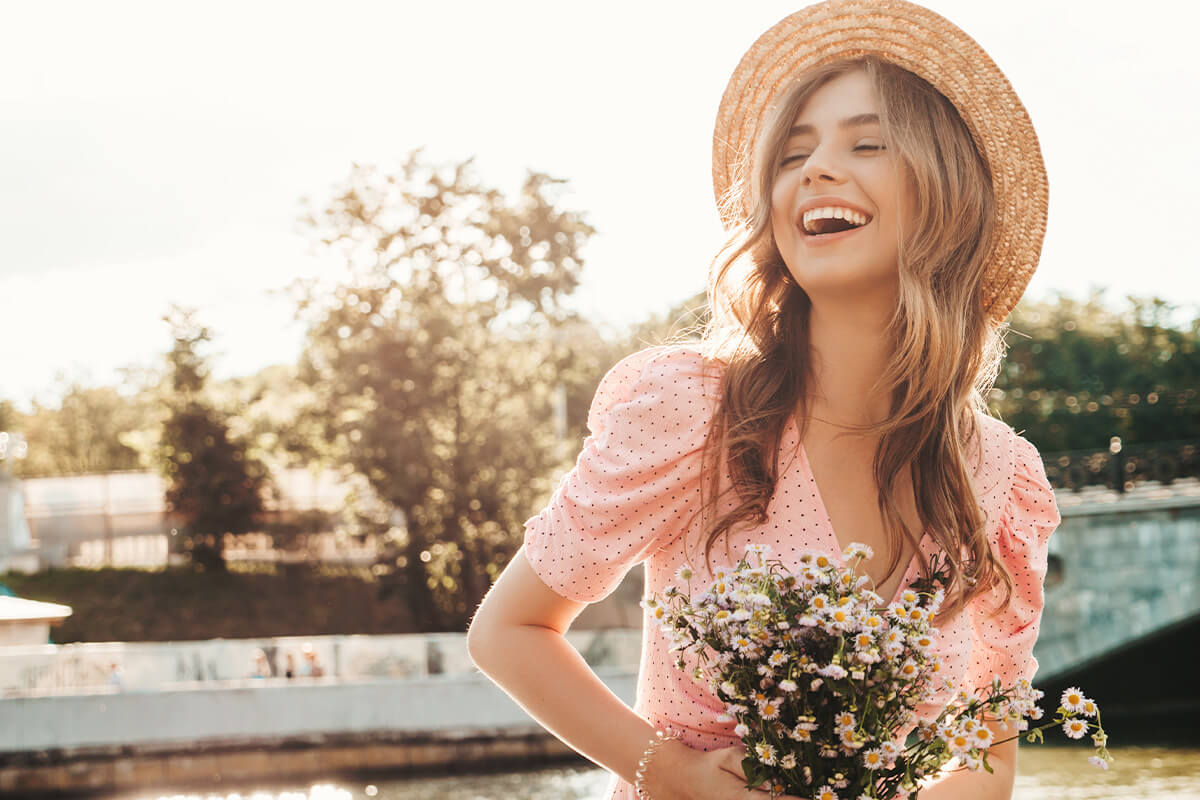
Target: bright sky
<point>156,152</point>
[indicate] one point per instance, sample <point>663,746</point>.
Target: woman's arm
<point>982,785</point>
<point>516,639</point>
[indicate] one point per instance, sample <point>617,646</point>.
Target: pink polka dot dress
<point>631,496</point>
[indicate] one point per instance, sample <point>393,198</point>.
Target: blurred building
<point>119,519</point>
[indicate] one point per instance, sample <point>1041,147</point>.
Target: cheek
<point>781,215</point>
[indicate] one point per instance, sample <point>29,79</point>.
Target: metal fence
<point>1122,467</point>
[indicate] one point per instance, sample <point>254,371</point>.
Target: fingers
<point>731,762</point>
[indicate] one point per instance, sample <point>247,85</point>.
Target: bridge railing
<point>1121,467</point>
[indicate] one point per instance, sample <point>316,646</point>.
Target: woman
<point>887,199</point>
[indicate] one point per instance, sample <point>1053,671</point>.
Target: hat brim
<point>933,48</point>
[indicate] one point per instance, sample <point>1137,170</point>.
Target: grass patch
<point>177,604</point>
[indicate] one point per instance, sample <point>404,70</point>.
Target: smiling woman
<point>885,199</point>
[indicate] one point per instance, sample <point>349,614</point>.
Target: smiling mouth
<point>827,225</point>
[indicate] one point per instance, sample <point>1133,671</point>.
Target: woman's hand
<point>677,772</point>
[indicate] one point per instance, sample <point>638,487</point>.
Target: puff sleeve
<point>1003,644</point>
<point>636,481</point>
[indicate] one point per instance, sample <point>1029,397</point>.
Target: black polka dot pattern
<point>636,483</point>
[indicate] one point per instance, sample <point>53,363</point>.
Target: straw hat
<point>932,47</point>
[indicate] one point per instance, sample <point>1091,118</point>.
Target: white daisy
<point>1075,728</point>
<point>981,737</point>
<point>788,761</point>
<point>958,742</point>
<point>766,753</point>
<point>873,622</point>
<point>835,671</point>
<point>871,656</point>
<point>683,574</point>
<point>921,642</point>
<point>890,749</point>
<point>873,759</point>
<point>741,730</point>
<point>1072,700</point>
<point>842,617</point>
<point>769,709</point>
<point>858,550</point>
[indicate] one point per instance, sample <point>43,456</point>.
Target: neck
<point>850,352</point>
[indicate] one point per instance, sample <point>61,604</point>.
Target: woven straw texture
<point>932,47</point>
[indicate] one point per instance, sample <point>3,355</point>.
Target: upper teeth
<point>826,212</point>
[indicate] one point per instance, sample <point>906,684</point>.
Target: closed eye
<point>860,147</point>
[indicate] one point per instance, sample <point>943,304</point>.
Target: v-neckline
<point>910,573</point>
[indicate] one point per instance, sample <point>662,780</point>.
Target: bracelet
<point>639,784</point>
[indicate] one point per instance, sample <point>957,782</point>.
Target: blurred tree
<point>437,364</point>
<point>83,433</point>
<point>213,486</point>
<point>1078,373</point>
<point>9,417</point>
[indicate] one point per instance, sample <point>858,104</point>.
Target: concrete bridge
<point>1122,615</point>
<point>1121,569</point>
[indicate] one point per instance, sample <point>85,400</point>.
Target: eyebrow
<point>857,121</point>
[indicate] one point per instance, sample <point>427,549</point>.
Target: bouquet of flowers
<point>820,678</point>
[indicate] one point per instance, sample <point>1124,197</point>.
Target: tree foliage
<point>1078,373</point>
<point>83,433</point>
<point>437,361</point>
<point>213,486</point>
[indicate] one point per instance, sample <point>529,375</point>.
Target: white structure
<point>27,622</point>
<point>38,668</point>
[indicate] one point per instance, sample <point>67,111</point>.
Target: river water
<point>1047,772</point>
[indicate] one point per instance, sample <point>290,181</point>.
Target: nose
<point>821,165</point>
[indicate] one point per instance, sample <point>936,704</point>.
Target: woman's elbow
<point>480,634</point>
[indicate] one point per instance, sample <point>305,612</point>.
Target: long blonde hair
<point>946,353</point>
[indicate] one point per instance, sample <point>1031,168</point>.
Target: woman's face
<point>835,158</point>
